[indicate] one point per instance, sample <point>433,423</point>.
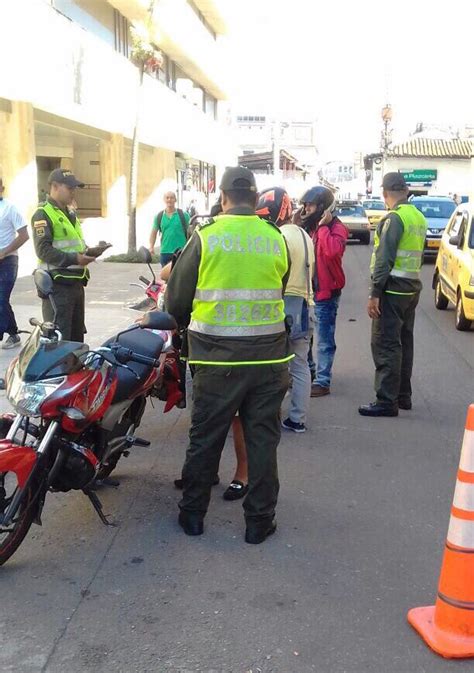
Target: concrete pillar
<point>18,168</point>
<point>114,191</point>
<point>18,156</point>
<point>67,163</point>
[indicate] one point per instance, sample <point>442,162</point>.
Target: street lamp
<point>387,114</point>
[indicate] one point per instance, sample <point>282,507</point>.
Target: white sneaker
<point>12,342</point>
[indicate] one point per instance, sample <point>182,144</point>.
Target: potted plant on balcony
<point>148,60</point>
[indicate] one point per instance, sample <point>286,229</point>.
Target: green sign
<point>420,175</point>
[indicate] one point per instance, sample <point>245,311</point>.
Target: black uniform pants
<point>69,301</point>
<point>392,348</point>
<point>219,392</point>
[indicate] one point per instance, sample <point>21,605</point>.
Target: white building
<point>69,97</point>
<point>430,166</point>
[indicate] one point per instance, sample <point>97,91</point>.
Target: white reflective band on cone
<point>464,496</point>
<point>467,454</point>
<point>461,532</point>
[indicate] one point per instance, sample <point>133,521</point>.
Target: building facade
<point>69,97</point>
<point>440,167</point>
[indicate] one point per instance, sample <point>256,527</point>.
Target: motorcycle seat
<point>144,342</point>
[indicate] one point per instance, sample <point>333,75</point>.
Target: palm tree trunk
<point>133,186</point>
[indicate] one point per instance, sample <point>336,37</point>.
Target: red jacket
<point>329,245</point>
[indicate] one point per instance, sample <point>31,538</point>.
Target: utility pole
<point>276,149</point>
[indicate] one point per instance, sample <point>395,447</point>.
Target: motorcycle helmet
<point>324,200</point>
<point>274,204</point>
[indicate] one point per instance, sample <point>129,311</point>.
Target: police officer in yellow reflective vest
<point>395,290</point>
<point>227,286</point>
<point>59,245</point>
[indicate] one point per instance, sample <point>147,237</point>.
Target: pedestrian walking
<point>329,238</point>
<point>394,294</point>
<point>13,234</point>
<point>172,224</point>
<point>275,205</point>
<point>61,250</point>
<point>228,286</point>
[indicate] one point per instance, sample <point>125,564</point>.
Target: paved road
<point>362,517</point>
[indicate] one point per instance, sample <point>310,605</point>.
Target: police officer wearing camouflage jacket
<point>60,248</point>
<point>227,286</point>
<point>395,290</point>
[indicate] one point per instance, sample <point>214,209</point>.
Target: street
<point>362,519</point>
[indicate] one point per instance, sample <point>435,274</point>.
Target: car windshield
<point>374,205</point>
<point>442,209</point>
<point>350,211</point>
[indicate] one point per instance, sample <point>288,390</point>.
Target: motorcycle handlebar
<point>126,354</point>
<point>144,280</point>
<point>34,322</point>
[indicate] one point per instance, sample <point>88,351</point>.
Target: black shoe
<point>235,490</point>
<point>404,404</point>
<point>179,483</point>
<point>376,409</point>
<point>192,524</point>
<point>255,533</point>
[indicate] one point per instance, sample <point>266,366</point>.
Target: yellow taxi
<point>375,209</point>
<point>453,279</point>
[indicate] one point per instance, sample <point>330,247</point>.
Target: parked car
<point>453,279</point>
<point>437,211</point>
<point>352,214</point>
<point>375,209</point>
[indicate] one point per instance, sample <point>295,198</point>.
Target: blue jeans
<point>165,258</point>
<point>8,274</point>
<point>325,315</point>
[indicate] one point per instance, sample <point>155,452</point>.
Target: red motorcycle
<point>77,411</point>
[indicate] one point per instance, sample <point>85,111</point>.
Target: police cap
<point>64,177</point>
<point>238,177</point>
<point>394,182</point>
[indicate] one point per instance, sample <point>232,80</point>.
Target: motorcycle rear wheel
<point>12,537</point>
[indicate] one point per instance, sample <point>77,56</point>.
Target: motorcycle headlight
<point>27,398</point>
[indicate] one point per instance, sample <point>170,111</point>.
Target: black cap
<point>394,182</point>
<point>64,177</point>
<point>238,177</point>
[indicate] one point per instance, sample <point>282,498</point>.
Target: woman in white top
<point>13,234</point>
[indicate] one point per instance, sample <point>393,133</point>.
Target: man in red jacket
<point>329,236</point>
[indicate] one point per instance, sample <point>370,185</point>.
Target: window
<point>456,224</point>
<point>471,235</point>
<point>434,208</point>
<point>122,28</point>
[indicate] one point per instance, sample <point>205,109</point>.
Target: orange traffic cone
<point>448,626</point>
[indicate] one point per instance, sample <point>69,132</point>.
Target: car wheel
<point>365,240</point>
<point>461,322</point>
<point>441,301</point>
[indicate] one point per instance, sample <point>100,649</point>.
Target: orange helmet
<point>274,204</point>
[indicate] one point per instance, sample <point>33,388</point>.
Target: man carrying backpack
<point>172,223</point>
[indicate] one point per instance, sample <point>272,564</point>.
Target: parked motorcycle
<point>77,411</point>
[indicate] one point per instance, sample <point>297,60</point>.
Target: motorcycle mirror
<point>145,254</point>
<point>43,282</point>
<point>158,320</point>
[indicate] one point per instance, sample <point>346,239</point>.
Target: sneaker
<point>12,342</point>
<point>288,424</point>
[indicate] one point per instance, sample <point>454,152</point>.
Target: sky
<point>341,61</point>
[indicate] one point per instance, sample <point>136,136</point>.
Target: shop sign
<point>420,175</point>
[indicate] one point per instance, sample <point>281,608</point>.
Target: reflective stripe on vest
<point>239,288</point>
<point>410,248</point>
<point>67,237</point>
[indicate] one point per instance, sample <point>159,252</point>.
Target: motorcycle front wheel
<point>13,535</point>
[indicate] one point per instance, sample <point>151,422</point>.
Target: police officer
<point>228,286</point>
<point>60,248</point>
<point>396,285</point>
